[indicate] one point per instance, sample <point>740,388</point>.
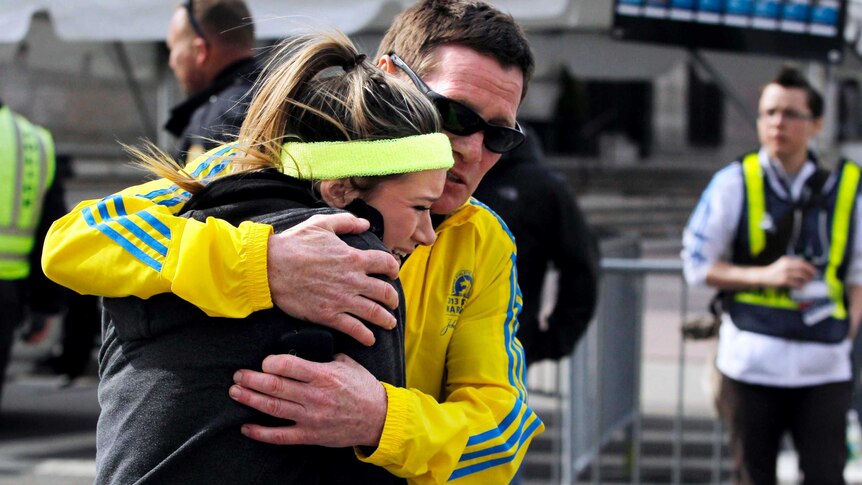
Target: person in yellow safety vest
<point>30,199</point>
<point>778,236</point>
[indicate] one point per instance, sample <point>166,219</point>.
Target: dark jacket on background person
<point>166,367</point>
<point>213,116</point>
<point>549,228</point>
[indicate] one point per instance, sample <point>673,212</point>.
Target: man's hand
<point>335,404</point>
<point>788,272</point>
<point>313,275</point>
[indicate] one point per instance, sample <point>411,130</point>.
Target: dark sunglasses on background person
<point>190,8</point>
<point>460,120</point>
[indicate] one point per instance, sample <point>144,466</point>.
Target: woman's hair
<point>314,88</point>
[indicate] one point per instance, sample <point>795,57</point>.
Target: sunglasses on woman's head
<point>463,121</point>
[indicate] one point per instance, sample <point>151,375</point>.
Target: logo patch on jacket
<point>462,288</point>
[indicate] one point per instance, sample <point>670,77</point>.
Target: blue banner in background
<point>792,28</point>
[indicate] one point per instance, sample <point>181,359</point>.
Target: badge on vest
<point>814,302</point>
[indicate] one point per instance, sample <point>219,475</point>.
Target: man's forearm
<point>786,272</point>
<point>727,276</point>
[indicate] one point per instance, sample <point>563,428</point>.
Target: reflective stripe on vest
<point>27,169</point>
<point>841,219</point>
<point>756,203</point>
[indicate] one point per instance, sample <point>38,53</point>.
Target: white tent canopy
<point>147,20</point>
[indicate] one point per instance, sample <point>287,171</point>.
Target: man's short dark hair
<point>790,76</point>
<point>228,22</point>
<point>478,25</point>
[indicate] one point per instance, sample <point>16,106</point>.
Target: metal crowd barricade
<point>597,390</point>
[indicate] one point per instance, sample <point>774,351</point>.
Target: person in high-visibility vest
<point>778,236</point>
<point>30,199</point>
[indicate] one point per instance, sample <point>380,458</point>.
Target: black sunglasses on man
<point>463,121</point>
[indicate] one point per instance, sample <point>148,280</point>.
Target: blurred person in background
<point>210,43</point>
<point>550,231</point>
<point>31,198</point>
<point>777,235</point>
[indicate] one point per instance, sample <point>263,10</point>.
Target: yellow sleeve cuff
<point>392,439</point>
<point>255,242</point>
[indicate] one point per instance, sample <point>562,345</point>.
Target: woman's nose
<point>425,231</point>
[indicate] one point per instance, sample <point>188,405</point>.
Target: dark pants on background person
<point>81,326</point>
<point>11,314</point>
<point>758,416</point>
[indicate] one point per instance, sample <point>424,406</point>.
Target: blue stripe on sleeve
<point>478,467</point>
<point>216,170</point>
<point>120,240</point>
<point>209,160</point>
<point>516,362</point>
<point>118,205</point>
<point>103,210</point>
<point>156,224</point>
<point>158,193</point>
<point>142,235</point>
<point>179,196</point>
<point>174,201</point>
<point>514,439</point>
<point>123,220</point>
<point>495,432</point>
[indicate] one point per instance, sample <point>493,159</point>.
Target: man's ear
<point>385,63</point>
<point>818,126</point>
<point>202,50</point>
<point>338,193</point>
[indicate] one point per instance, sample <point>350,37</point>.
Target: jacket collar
<point>243,70</point>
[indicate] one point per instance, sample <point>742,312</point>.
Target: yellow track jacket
<point>464,416</point>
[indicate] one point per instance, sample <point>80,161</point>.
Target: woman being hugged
<point>326,131</point>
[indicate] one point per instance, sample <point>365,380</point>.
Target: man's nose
<point>470,147</point>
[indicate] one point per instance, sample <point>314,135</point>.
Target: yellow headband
<point>329,160</point>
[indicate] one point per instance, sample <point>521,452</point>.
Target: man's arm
<point>479,430</point>
<point>132,243</point>
<point>575,254</point>
<point>786,272</point>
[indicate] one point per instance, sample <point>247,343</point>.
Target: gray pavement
<point>47,431</point>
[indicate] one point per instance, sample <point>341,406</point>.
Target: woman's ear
<point>337,193</point>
